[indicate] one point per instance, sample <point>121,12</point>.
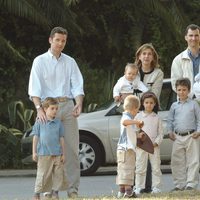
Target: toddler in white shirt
<point>128,84</point>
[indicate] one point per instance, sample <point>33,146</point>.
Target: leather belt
<point>62,99</point>
<point>185,133</point>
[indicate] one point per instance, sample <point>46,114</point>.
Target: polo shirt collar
<point>188,99</point>
<point>51,121</point>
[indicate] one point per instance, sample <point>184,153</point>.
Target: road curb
<point>18,173</point>
<point>108,170</point>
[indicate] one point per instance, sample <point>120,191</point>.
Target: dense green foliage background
<point>103,37</point>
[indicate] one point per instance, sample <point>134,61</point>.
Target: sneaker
<point>155,190</point>
<point>189,188</point>
<point>120,195</point>
<point>47,195</point>
<point>137,191</point>
<point>132,195</point>
<point>55,195</point>
<point>73,195</point>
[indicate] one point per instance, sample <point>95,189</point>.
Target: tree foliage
<point>10,154</point>
<point>103,37</point>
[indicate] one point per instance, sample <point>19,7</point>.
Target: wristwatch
<point>38,106</point>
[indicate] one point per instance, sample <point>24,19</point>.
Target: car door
<point>114,129</point>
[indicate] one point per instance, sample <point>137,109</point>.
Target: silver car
<point>99,133</point>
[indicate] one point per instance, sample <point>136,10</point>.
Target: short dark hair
<point>192,27</point>
<point>150,95</point>
<point>49,101</point>
<point>183,82</point>
<point>58,29</point>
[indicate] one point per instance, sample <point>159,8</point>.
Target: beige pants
<point>185,161</point>
<point>125,167</point>
<point>72,145</point>
<point>50,174</point>
<point>141,168</point>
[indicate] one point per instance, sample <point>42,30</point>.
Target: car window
<point>116,110</point>
<point>167,97</point>
<point>103,106</point>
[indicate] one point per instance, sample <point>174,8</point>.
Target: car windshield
<point>103,106</point>
<point>167,97</point>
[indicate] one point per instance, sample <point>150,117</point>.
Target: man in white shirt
<point>55,74</point>
<point>187,63</point>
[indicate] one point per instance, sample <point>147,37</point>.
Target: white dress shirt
<point>51,77</point>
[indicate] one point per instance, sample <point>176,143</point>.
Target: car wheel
<point>89,155</point>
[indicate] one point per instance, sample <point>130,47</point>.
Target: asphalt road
<point>18,185</point>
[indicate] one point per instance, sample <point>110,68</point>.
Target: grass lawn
<point>184,195</point>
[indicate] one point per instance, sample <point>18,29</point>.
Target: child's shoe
<point>132,195</point>
<point>36,197</point>
<point>137,191</point>
<point>47,195</point>
<point>120,195</point>
<point>155,190</point>
<point>55,195</point>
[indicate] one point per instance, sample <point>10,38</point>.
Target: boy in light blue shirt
<point>184,129</point>
<point>126,147</point>
<point>48,152</point>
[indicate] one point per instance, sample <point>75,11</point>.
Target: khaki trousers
<point>185,161</point>
<point>141,168</point>
<point>71,137</point>
<point>125,167</point>
<point>50,174</point>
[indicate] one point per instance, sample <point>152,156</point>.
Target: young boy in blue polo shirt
<point>48,152</point>
<point>184,129</point>
<point>126,147</point>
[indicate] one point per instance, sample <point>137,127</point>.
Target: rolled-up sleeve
<point>35,89</point>
<point>76,81</point>
<point>176,72</point>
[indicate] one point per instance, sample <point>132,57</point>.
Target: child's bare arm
<point>34,148</point>
<point>138,123</point>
